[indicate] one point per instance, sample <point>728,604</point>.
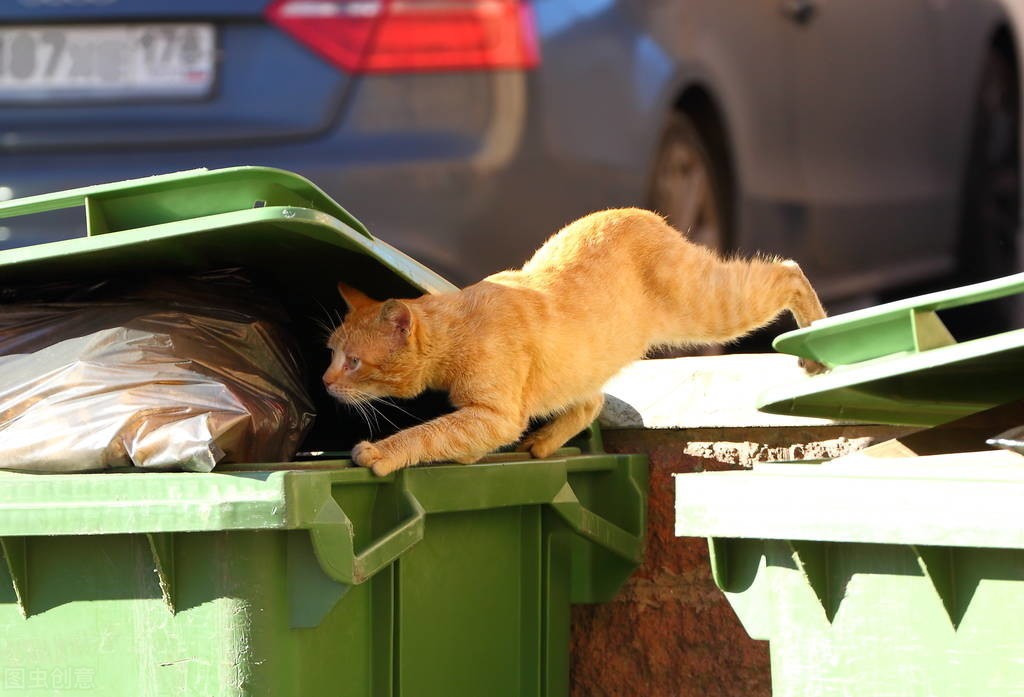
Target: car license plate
<point>49,63</point>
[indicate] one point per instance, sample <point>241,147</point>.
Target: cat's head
<point>374,351</point>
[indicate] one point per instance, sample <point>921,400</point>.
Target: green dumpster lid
<point>259,217</point>
<point>897,363</point>
<point>867,500</point>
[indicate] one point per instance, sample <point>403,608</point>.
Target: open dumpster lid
<point>898,364</point>
<point>258,217</point>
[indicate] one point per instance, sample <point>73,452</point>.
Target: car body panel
<point>266,86</point>
<point>848,133</point>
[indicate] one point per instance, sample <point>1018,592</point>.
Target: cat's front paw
<point>366,454</point>
<point>812,367</point>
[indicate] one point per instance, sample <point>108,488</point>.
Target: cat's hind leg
<point>803,301</point>
<point>805,308</point>
<point>740,296</point>
<point>749,294</point>
<point>551,436</point>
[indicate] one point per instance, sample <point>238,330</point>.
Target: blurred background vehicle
<point>876,143</point>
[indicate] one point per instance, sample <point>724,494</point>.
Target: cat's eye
<point>352,363</point>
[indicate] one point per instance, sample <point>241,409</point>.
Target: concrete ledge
<point>701,392</point>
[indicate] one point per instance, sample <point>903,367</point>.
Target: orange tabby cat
<point>543,340</point>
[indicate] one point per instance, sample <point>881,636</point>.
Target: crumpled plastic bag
<point>170,374</point>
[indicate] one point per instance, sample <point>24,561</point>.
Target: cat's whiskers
<point>366,404</point>
<point>382,414</point>
<point>363,403</point>
<point>364,414</point>
<point>356,396</point>
<point>370,414</point>
<point>328,324</point>
<point>323,327</point>
<point>408,413</point>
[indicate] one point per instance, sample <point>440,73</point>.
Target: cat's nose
<point>329,377</point>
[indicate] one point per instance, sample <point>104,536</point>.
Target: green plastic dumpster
<point>900,579</point>
<point>892,574</point>
<point>302,578</point>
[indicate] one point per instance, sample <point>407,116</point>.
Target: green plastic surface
<point>438,581</point>
<point>242,216</point>
<point>195,193</point>
<point>896,363</point>
<point>888,577</point>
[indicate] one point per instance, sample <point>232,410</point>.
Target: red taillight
<point>404,35</point>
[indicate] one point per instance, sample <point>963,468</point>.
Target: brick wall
<point>670,632</point>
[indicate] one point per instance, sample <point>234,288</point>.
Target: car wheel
<point>688,186</point>
<point>990,224</point>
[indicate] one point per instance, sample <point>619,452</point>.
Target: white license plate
<point>64,63</point>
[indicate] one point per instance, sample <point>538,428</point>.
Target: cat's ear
<point>398,315</point>
<point>354,298</point>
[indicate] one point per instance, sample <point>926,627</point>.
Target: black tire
<point>689,185</point>
<point>990,215</point>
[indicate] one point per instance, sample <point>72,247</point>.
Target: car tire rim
<point>684,191</point>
